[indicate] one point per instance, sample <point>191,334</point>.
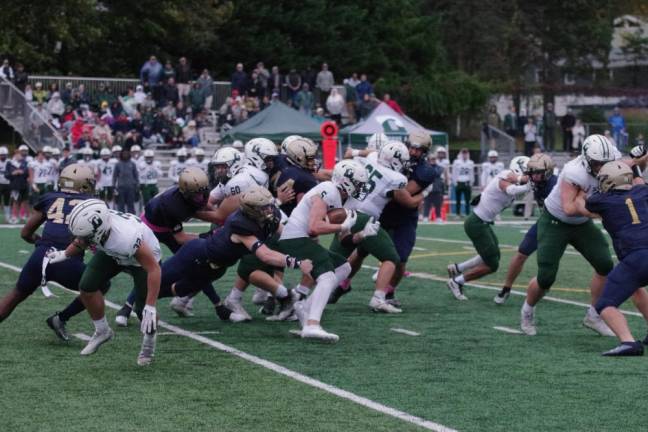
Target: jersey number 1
<point>633,211</point>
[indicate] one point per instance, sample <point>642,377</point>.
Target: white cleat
<point>121,321</point>
<point>594,321</point>
<point>147,352</point>
<point>237,318</point>
<point>96,341</point>
<point>380,305</point>
<point>502,296</point>
<point>527,323</point>
<point>237,309</point>
<point>456,289</point>
<point>179,306</point>
<point>317,332</point>
<point>453,270</point>
<point>260,296</point>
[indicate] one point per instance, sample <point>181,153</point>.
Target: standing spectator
<point>151,76</point>
<point>334,105</point>
<point>567,124</point>
<point>263,74</point>
<point>324,83</point>
<point>18,172</point>
<point>5,190</point>
<point>83,95</point>
<point>354,81</point>
<point>275,82</point>
<point>196,98</point>
<point>304,100</point>
<point>549,127</point>
<point>6,71</point>
<point>392,103</point>
<point>139,96</point>
<point>364,87</point>
<point>168,72</point>
<point>435,197</point>
<point>20,79</point>
<point>530,136</point>
<point>367,105</point>
<point>492,121</point>
<point>309,76</point>
<point>183,78</point>
<point>206,85</point>
<point>240,79</point>
<point>66,94</point>
<point>617,125</point>
<point>169,92</point>
<point>607,134</point>
<point>126,182</point>
<point>510,122</point>
<point>351,98</point>
<point>255,88</point>
<point>294,83</point>
<point>463,175</point>
<point>578,134</point>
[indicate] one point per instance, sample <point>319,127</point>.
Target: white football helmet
<point>136,149</point>
<point>350,176</point>
<point>181,153</point>
<point>90,220</point>
<point>198,152</point>
<point>149,154</point>
<point>56,151</point>
<point>104,152</point>
<point>259,151</point>
<point>519,165</point>
<point>492,154</point>
<point>376,141</point>
<point>230,159</point>
<point>4,151</point>
<point>47,149</point>
<point>394,155</point>
<point>597,150</point>
<point>86,153</point>
<point>116,149</point>
<point>302,152</point>
<point>286,141</point>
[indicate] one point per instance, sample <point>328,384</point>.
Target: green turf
<point>459,372</point>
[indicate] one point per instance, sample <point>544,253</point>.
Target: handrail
<point>504,143</point>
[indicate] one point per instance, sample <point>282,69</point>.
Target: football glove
<point>638,151</point>
<point>149,320</point>
<point>56,256</point>
<point>370,229</point>
<point>350,220</point>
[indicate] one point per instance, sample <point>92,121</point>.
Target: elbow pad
<point>517,189</point>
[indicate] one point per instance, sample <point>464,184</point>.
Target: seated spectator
<point>139,95</point>
<point>392,103</point>
<point>169,112</point>
<point>53,88</point>
<point>102,133</point>
<point>21,77</point>
<point>66,94</point>
<point>169,92</point>
<point>55,106</point>
<point>39,94</point>
<point>196,97</point>
<point>29,93</point>
<point>364,87</point>
<point>190,134</point>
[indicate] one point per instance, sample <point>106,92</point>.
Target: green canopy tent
<point>384,119</point>
<point>276,122</point>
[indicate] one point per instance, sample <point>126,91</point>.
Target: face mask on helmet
<point>269,161</point>
<point>222,173</point>
<point>182,158</point>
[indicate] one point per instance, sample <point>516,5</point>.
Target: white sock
<point>379,294</point>
<point>303,290</point>
<point>326,283</point>
<point>101,325</point>
<point>592,312</point>
<point>527,309</point>
<point>468,264</point>
<point>342,272</point>
<point>460,279</point>
<point>282,292</point>
<point>235,295</point>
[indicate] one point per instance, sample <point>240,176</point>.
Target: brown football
<point>336,216</point>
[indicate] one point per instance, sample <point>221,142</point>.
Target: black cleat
<point>268,307</point>
<point>389,298</point>
<point>58,326</point>
<point>337,293</point>
<point>223,312</point>
<point>626,349</point>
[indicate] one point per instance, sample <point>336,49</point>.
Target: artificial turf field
<point>458,372</point>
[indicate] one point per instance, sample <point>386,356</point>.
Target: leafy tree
<point>635,45</point>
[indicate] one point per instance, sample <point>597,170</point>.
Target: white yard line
<point>367,403</point>
<point>404,331</point>
<point>419,248</point>
<point>507,330</point>
<point>208,332</point>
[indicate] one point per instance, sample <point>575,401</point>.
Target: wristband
<point>257,244</point>
<point>355,152</point>
<point>292,262</point>
<point>636,172</point>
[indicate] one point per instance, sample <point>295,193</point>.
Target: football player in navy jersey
<point>400,220</point>
<point>540,171</point>
<point>164,215</point>
<point>622,204</point>
<point>76,183</point>
<point>300,155</point>
<point>201,261</point>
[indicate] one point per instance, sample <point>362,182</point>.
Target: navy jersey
<point>169,209</point>
<point>280,164</point>
<point>56,206</point>
<point>304,181</point>
<point>395,214</point>
<point>625,217</point>
<point>541,190</point>
<point>220,248</point>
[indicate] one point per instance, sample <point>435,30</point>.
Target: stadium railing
<point>504,143</point>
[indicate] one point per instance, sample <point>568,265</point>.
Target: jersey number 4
<point>55,212</point>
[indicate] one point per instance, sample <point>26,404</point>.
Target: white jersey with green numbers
<point>41,171</point>
<point>574,172</point>
<point>382,182</point>
<point>127,234</point>
<point>297,225</point>
<point>493,199</point>
<point>489,171</point>
<point>105,170</point>
<point>247,177</point>
<point>149,173</point>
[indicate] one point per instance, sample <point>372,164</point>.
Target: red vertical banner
<point>329,131</point>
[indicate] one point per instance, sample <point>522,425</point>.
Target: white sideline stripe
<point>419,248</point>
<point>367,403</point>
<point>23,251</point>
<point>404,331</point>
<point>507,330</point>
<point>435,278</point>
<point>198,333</point>
<point>82,336</point>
